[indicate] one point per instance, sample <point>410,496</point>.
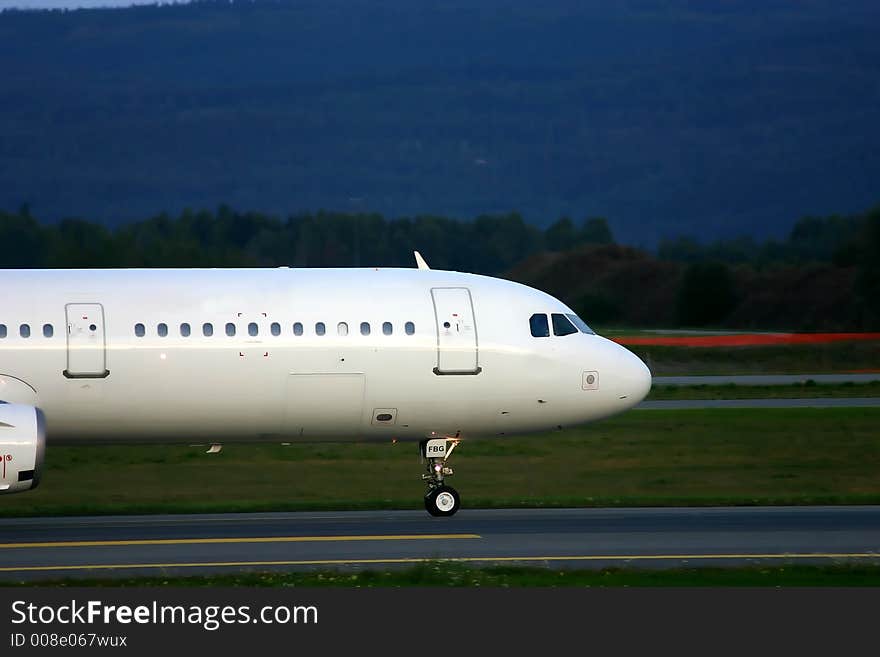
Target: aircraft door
<point>457,344</point>
<point>86,343</point>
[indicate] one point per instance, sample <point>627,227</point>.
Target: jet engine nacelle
<point>22,447</point>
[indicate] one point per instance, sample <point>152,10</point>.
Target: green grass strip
<point>445,574</point>
<point>641,458</point>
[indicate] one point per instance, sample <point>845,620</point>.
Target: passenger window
<point>410,328</point>
<point>24,330</point>
<point>275,328</point>
<point>320,329</point>
<point>562,325</point>
<point>581,324</point>
<point>387,328</point>
<point>48,330</point>
<point>230,329</point>
<point>2,331</point>
<point>297,329</point>
<point>365,328</point>
<point>539,325</point>
<point>162,330</point>
<point>139,330</point>
<point>253,329</point>
<point>207,329</point>
<point>342,328</point>
<point>185,330</point>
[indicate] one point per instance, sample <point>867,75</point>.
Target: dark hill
<point>667,116</point>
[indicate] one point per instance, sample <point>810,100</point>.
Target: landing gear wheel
<point>442,501</point>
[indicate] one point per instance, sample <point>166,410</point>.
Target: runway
<point>811,402</point>
<point>41,548</point>
<point>762,380</point>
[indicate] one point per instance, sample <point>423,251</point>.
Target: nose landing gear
<point>440,499</point>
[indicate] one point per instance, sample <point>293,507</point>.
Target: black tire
<point>448,503</point>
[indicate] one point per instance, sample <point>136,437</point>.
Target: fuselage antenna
<point>420,261</point>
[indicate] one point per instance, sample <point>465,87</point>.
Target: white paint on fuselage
<point>246,388</point>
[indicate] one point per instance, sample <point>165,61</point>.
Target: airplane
<point>289,354</point>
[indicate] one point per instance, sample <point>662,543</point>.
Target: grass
<point>787,359</point>
<point>807,390</point>
<point>446,574</point>
<point>694,457</point>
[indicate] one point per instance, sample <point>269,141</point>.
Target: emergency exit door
<point>457,345</point>
<point>86,343</point>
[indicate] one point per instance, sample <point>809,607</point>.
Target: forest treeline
<point>824,276</point>
<point>490,244</point>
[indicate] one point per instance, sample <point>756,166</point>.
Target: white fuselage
<point>470,365</point>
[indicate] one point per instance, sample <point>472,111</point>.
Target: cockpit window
<point>540,327</point>
<point>562,325</point>
<point>581,324</point>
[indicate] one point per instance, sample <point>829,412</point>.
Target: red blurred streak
<point>743,339</point>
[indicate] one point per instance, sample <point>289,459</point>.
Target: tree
<point>681,249</point>
<point>599,308</point>
<point>78,243</point>
<point>23,242</point>
<point>706,295</point>
<point>561,235</point>
<point>868,277</point>
<point>596,231</point>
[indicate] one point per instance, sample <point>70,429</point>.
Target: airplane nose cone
<point>641,378</point>
<point>621,380</point>
<point>635,377</point>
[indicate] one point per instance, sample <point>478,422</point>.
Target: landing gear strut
<point>440,499</point>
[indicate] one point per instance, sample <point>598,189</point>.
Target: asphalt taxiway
<point>40,548</point>
<point>762,380</point>
<point>805,402</point>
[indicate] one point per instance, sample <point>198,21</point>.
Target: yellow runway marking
<point>265,539</point>
<point>340,562</point>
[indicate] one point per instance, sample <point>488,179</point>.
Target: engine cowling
<point>22,447</point>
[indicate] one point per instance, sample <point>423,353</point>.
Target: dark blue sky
<point>665,116</point>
